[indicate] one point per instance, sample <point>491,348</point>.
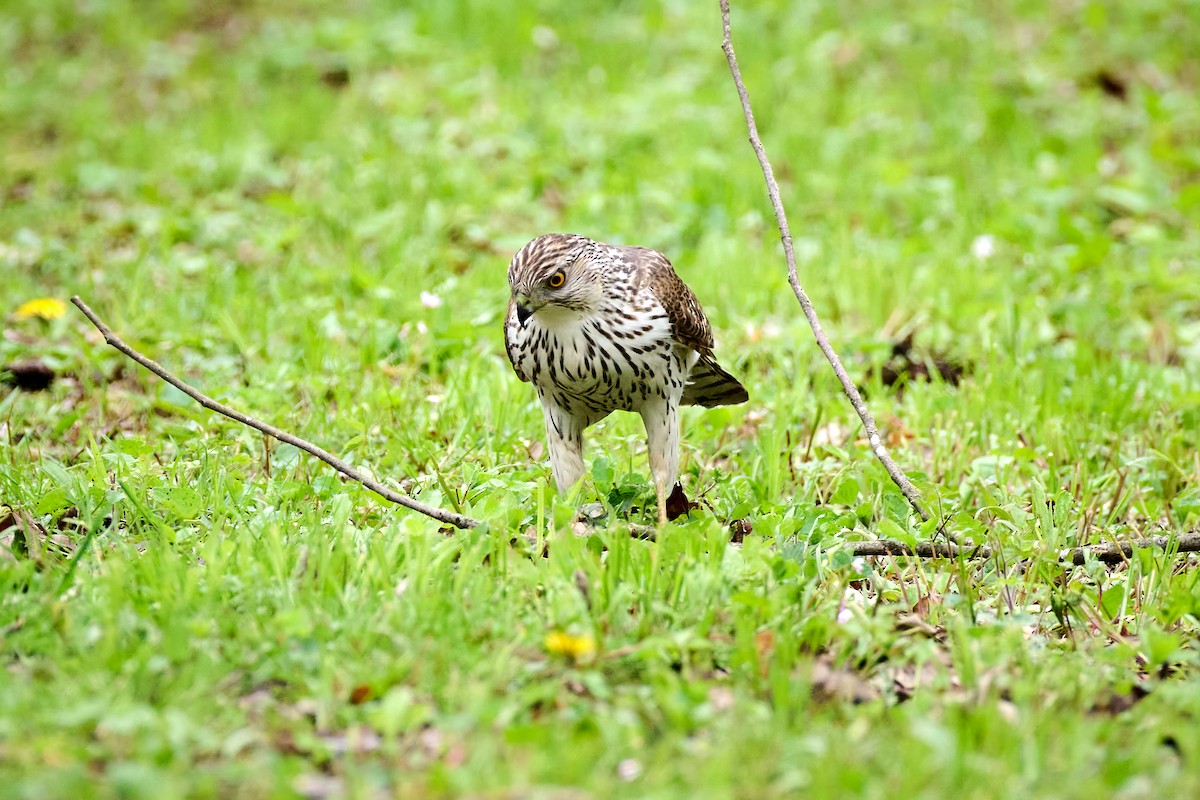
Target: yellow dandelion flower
<point>42,307</point>
<point>576,648</point>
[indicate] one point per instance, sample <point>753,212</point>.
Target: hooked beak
<point>524,311</point>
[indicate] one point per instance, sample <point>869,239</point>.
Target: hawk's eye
<point>556,280</point>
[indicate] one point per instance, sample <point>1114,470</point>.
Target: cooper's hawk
<point>598,328</point>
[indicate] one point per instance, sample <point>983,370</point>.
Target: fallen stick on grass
<point>440,514</point>
<point>1117,552</point>
<point>893,469</point>
<point>1114,553</point>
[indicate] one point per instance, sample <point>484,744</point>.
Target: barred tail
<point>708,385</point>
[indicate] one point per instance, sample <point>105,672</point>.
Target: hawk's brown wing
<point>688,323</point>
<point>708,384</point>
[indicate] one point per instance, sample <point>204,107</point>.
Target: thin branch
<point>897,475</point>
<point>1115,553</point>
<point>1122,551</point>
<point>890,547</point>
<point>441,515</point>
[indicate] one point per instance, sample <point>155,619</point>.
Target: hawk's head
<point>556,271</point>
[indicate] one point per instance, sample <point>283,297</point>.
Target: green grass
<point>210,616</point>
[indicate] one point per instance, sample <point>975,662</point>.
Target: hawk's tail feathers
<point>708,385</point>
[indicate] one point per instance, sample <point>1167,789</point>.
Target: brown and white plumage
<point>598,328</point>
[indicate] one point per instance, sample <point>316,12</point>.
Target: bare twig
<point>1122,551</point>
<point>890,547</point>
<point>1115,553</point>
<point>897,475</point>
<point>441,515</point>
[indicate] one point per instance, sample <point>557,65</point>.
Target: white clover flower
<point>984,246</point>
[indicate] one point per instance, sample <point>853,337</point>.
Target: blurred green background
<point>307,210</point>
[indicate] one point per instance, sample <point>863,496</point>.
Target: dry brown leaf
<point>678,503</point>
<point>22,536</point>
<point>1118,703</point>
<point>764,642</point>
<point>534,449</point>
<point>897,432</point>
<point>912,623</point>
<point>838,684</point>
